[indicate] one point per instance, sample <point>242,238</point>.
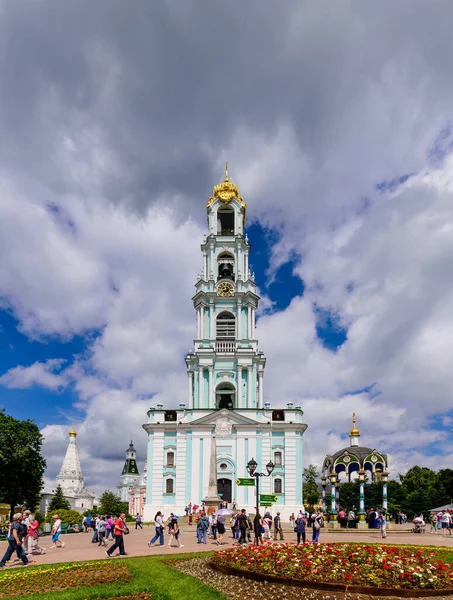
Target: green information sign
<point>242,481</point>
<point>267,498</point>
<point>265,503</point>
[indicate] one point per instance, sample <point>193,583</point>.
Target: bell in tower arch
<point>226,271</point>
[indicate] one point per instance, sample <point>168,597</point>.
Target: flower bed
<point>342,566</point>
<point>21,582</point>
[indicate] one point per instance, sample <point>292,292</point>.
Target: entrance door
<point>224,489</point>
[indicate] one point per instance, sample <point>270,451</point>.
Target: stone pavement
<point>78,546</point>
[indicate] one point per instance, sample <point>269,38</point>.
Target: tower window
<point>278,486</point>
<point>226,326</point>
<point>225,222</point>
<point>278,459</point>
<point>278,415</point>
<point>169,486</point>
<point>170,415</point>
<point>170,459</point>
<point>225,266</point>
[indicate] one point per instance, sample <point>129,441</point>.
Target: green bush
<point>39,517</point>
<point>66,516</point>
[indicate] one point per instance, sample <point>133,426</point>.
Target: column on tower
<point>239,263</point>
<point>249,386</point>
<point>200,386</point>
<point>205,265</point>
<point>190,378</point>
<point>198,323</point>
<point>252,324</point>
<point>249,321</point>
<point>211,320</point>
<point>239,320</point>
<point>202,322</point>
<point>210,389</point>
<point>260,389</point>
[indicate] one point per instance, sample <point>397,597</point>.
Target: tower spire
<point>354,434</point>
<point>70,476</point>
<point>226,170</point>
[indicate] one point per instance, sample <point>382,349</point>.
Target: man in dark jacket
<point>278,527</point>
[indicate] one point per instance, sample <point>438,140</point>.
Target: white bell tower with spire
<point>221,420</point>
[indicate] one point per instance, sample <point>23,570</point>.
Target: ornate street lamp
<point>251,468</point>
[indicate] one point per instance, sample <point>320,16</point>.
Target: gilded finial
<point>73,433</point>
<point>226,190</point>
<point>354,431</point>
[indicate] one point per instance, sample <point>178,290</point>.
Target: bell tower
<point>225,370</point>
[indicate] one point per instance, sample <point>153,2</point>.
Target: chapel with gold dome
<point>366,463</point>
<point>222,412</point>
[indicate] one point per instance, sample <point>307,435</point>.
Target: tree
<point>111,504</point>
<point>58,501</point>
<point>350,495</point>
<point>22,466</point>
<point>310,487</point>
<point>445,477</point>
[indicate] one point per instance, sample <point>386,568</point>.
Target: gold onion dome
<point>225,191</point>
<point>354,431</point>
<point>72,433</point>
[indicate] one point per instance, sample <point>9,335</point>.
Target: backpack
<point>242,521</point>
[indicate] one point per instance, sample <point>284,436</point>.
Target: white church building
<point>225,394</point>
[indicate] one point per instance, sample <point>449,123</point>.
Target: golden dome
<point>225,191</point>
<point>72,433</point>
<point>354,431</point>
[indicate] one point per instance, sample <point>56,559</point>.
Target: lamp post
<point>251,468</point>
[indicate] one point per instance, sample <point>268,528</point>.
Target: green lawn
<point>150,574</point>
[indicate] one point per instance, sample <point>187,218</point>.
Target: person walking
<point>109,527</point>
<point>446,519</point>
<point>383,523</point>
<point>138,521</point>
<point>15,538</point>
<point>300,527</point>
<point>202,528</point>
<point>242,525</point>
<point>278,527</point>
<point>220,529</point>
<point>173,531</point>
<point>258,528</point>
<point>292,519</point>
<point>118,532</point>
<point>317,522</point>
<point>56,530</point>
<point>102,528</point>
<point>267,524</point>
<point>34,533</point>
<point>213,525</point>
<point>159,525</point>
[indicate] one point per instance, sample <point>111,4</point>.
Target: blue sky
<point>336,123</point>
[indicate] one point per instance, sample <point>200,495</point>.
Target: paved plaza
<point>78,547</point>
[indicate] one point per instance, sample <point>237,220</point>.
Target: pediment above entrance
<point>224,416</point>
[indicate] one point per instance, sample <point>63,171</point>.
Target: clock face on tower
<point>225,289</point>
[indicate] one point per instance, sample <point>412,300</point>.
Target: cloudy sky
<point>116,119</point>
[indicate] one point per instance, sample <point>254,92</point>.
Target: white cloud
<point>42,374</point>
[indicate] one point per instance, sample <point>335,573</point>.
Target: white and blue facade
<point>224,395</point>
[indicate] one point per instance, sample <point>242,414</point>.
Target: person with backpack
<point>318,522</point>
<point>15,537</point>
<point>242,525</point>
<point>119,530</point>
<point>202,528</point>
